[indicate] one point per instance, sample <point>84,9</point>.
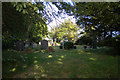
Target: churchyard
<point>60,39</point>
<point>74,63</point>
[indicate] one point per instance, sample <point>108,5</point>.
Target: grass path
<point>77,63</point>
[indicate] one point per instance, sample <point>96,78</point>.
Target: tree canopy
<point>19,18</point>
<point>65,30</point>
<point>100,21</point>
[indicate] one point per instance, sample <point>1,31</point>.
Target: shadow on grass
<point>41,63</point>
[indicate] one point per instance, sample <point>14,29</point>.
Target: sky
<point>56,21</point>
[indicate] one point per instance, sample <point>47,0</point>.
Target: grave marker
<point>20,45</point>
<point>34,45</point>
<point>44,44</point>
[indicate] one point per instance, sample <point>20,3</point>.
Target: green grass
<point>76,63</point>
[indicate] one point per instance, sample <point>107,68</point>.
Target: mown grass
<point>75,63</point>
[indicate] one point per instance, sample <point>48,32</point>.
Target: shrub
<point>68,45</point>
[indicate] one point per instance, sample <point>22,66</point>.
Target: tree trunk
<point>28,30</point>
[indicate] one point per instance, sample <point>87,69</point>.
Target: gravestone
<point>20,45</point>
<point>52,44</point>
<point>85,47</point>
<point>34,45</point>
<point>44,44</point>
<point>27,44</point>
<point>61,45</point>
<point>90,46</point>
<point>74,47</point>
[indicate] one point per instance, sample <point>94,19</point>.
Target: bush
<point>83,40</point>
<point>8,43</point>
<point>68,45</point>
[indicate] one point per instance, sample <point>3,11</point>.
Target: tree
<point>99,20</point>
<point>65,30</point>
<point>33,17</point>
<point>13,22</point>
<point>19,18</point>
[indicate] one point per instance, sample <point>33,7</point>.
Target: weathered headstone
<point>27,44</point>
<point>85,47</point>
<point>34,45</point>
<point>20,45</point>
<point>44,44</point>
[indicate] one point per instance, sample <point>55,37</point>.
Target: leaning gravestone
<point>44,44</point>
<point>20,45</point>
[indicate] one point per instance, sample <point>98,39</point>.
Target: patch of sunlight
<point>43,51</point>
<point>8,49</point>
<point>60,62</point>
<point>35,57</point>
<point>93,59</point>
<point>36,66</point>
<point>26,57</point>
<point>36,51</point>
<point>24,66</point>
<point>62,56</point>
<point>34,73</point>
<point>41,69</point>
<point>89,53</point>
<point>59,59</point>
<point>79,53</point>
<point>49,56</point>
<point>13,69</point>
<point>35,61</point>
<point>48,63</point>
<point>12,50</point>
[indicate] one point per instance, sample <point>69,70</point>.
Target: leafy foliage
<point>84,41</point>
<point>13,22</point>
<point>65,30</point>
<point>99,19</point>
<point>19,18</point>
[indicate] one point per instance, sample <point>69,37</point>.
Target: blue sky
<point>58,20</point>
